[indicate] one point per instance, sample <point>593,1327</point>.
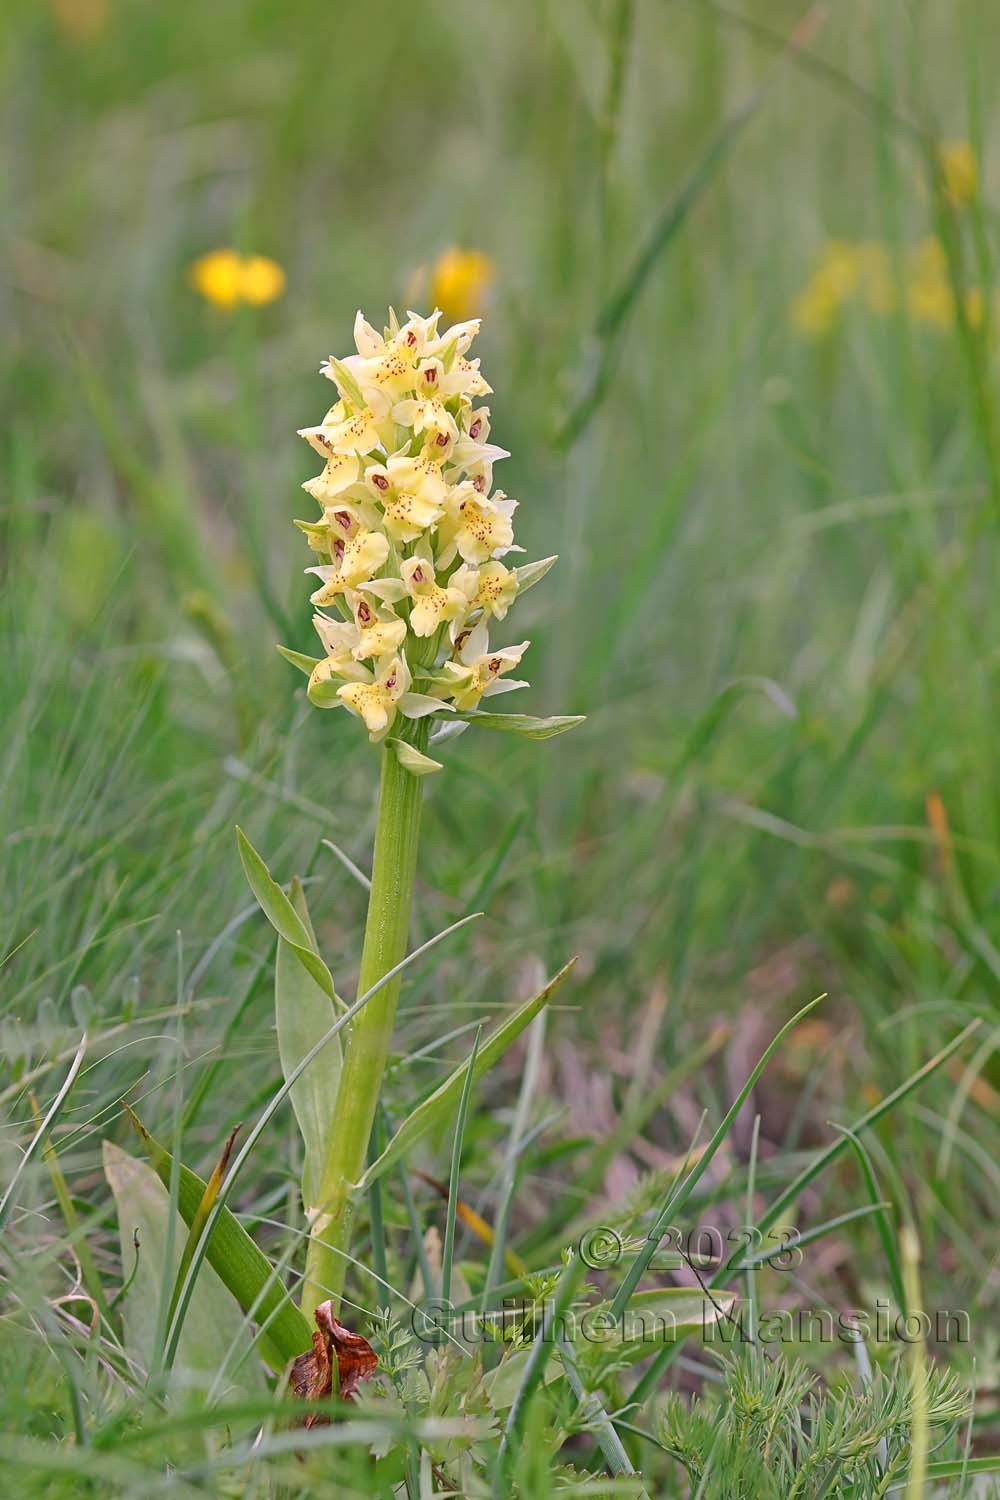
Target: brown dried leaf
<point>312,1373</point>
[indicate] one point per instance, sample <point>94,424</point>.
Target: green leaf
<point>665,1315</point>
<point>143,1203</point>
<point>197,1225</point>
<point>445,1098</point>
<point>303,1014</point>
<point>413,760</point>
<point>502,1384</point>
<point>242,1267</point>
<point>282,915</point>
<point>528,727</point>
<point>299,659</point>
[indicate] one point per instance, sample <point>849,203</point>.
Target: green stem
<point>386,930</point>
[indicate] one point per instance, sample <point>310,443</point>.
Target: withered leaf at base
<point>312,1373</point>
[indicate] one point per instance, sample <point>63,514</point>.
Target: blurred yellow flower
<point>865,270</point>
<point>226,278</point>
<point>974,307</point>
<point>929,296</point>
<point>959,171</point>
<point>262,281</point>
<point>81,20</point>
<point>835,279</point>
<point>217,277</point>
<point>460,282</point>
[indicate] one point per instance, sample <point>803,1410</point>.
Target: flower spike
<point>408,548</point>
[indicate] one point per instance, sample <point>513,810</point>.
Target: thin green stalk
<point>386,930</point>
<point>89,1274</point>
<point>448,1252</point>
<point>910,1256</point>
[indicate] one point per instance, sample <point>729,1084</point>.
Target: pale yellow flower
<point>380,633</point>
<point>959,171</point>
<point>377,697</point>
<point>346,431</point>
<point>340,523</point>
<point>356,561</point>
<point>432,421</point>
<point>375,700</point>
<point>340,640</point>
<point>412,492</point>
<point>477,672</point>
<point>433,605</point>
<point>341,472</point>
<point>491,587</point>
<point>475,526</point>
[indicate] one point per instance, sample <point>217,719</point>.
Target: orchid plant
<point>411,542</point>
<point>411,548</point>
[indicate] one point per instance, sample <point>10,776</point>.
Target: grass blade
<point>515,1146</point>
<point>836,1148</point>
<point>593,1412</point>
<point>616,311</point>
<point>442,1101</point>
<point>456,1169</point>
<point>882,1222</point>
<point>7,1201</point>
<point>679,1196</point>
<point>89,1273</point>
<point>534,1369</point>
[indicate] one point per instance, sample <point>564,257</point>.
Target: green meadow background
<point>742,338</point>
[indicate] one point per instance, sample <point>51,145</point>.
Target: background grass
<point>776,600</point>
